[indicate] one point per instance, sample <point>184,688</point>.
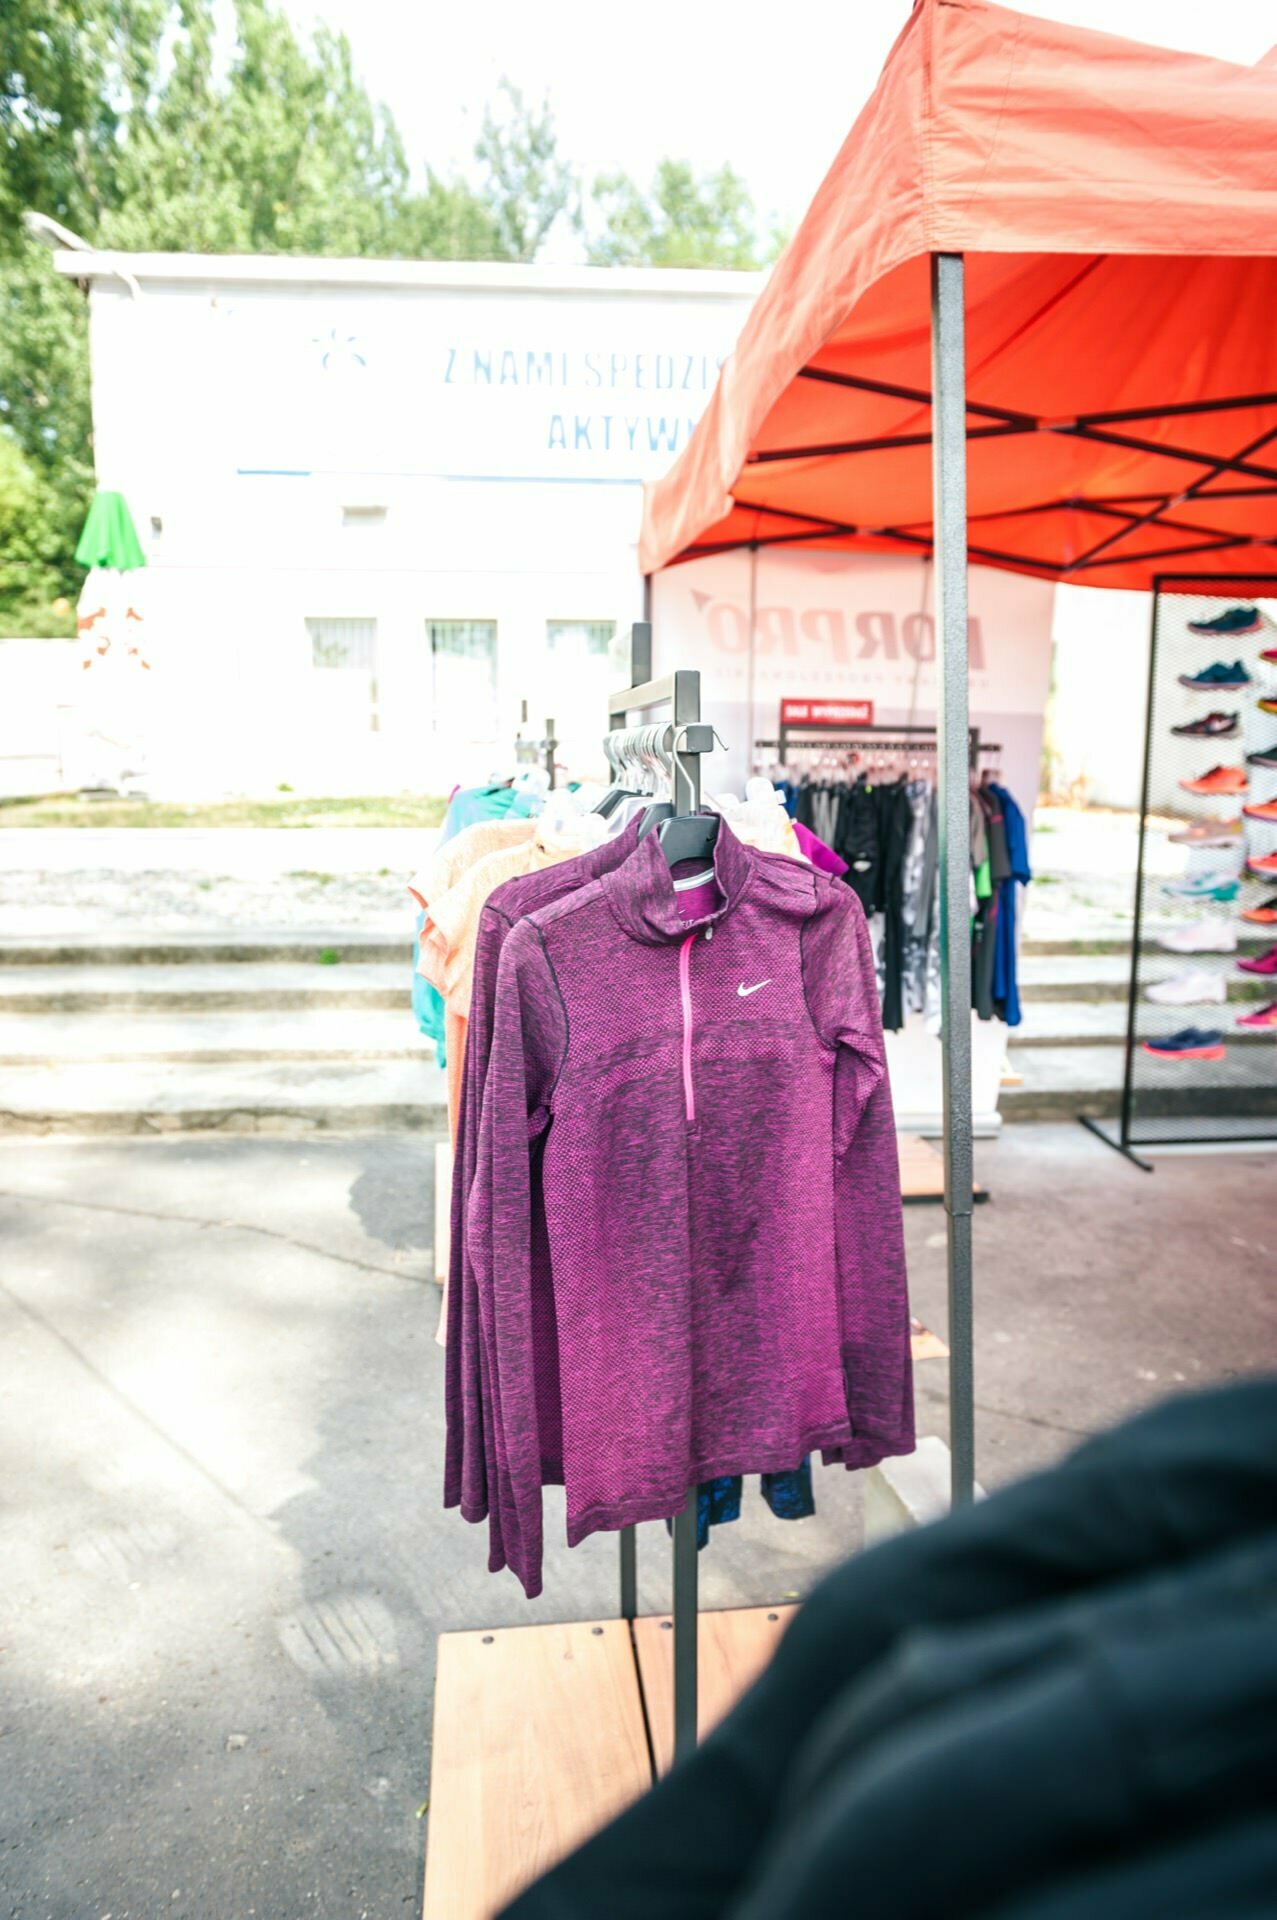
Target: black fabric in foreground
<point>1080,1554</point>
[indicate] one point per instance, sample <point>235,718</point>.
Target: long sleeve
<point>470,1453</point>
<point>841,989</point>
<point>529,1041</point>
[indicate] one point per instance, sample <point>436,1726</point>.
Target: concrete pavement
<point>221,1445</point>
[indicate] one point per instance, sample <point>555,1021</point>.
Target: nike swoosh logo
<point>745,991</point>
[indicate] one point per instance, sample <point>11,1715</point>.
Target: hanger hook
<point>682,733</point>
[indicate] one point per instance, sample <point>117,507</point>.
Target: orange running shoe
<point>1264,915</point>
<point>1262,810</point>
<point>1267,706</point>
<point>1263,863</point>
<point>1219,780</point>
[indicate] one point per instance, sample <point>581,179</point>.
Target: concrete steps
<point>280,1031</point>
<point>308,946</point>
<point>273,1032</point>
<point>1063,1082</point>
<point>301,1032</point>
<point>242,987</point>
<point>227,1096</point>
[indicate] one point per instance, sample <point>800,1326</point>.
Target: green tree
<point>527,184</point>
<point>45,428</point>
<point>682,222</point>
<point>72,74</point>
<point>29,534</point>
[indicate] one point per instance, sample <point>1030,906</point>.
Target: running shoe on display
<point>1262,1017</point>
<point>1200,936</point>
<point>1192,988</point>
<point>1215,726</point>
<point>1263,757</point>
<point>1216,678</point>
<point>1190,1043</point>
<point>1203,886</point>
<point>1209,833</point>
<point>1265,863</point>
<point>1267,706</point>
<point>1264,915</point>
<point>1261,810</point>
<point>1270,655</point>
<point>1235,620</point>
<point>1265,963</point>
<point>1218,780</point>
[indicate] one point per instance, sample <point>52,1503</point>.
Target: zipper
<point>685,994</point>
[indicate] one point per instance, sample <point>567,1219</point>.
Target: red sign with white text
<point>826,713</point>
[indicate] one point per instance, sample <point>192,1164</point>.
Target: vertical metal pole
<point>753,653</point>
<point>640,653</point>
<point>686,1621</point>
<point>629,1573</point>
<point>686,1610</point>
<point>1137,928</point>
<point>640,674</point>
<point>687,767</point>
<point>949,513</point>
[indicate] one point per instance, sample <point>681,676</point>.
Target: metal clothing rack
<point>681,693</point>
<point>527,752</point>
<point>906,739</point>
<point>952,787</point>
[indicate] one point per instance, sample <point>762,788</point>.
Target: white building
<point>385,503</point>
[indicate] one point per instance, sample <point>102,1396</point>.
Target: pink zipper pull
<point>685,994</point>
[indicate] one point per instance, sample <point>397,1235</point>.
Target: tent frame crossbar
<point>1005,423</point>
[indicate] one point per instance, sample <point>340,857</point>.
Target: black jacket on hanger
<point>858,841</point>
<point>895,824</point>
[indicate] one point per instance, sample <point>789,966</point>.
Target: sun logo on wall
<point>338,351</point>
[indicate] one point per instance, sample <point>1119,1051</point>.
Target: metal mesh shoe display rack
<point>1198,905</point>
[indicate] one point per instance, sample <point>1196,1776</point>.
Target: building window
<point>343,644</point>
<point>583,669</point>
<point>463,657</point>
<point>348,648</point>
<point>591,638</point>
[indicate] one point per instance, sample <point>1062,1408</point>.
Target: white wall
<point>491,428</point>
<point>1099,692</point>
<point>854,626</point>
<point>37,695</point>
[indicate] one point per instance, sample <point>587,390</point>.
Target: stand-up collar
<point>641,891</point>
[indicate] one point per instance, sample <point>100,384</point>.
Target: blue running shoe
<point>1216,679</point>
<point>1190,1043</point>
<point>1234,621</point>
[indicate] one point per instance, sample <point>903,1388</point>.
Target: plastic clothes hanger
<point>686,836</point>
<point>616,789</point>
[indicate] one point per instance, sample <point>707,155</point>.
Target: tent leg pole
<point>949,506</point>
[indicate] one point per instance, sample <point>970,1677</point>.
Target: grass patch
<point>329,957</point>
<point>358,810</point>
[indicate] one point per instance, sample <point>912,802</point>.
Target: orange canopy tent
<point>1031,319</point>
<point>1116,205</point>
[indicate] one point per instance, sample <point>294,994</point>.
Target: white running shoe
<point>1200,936</point>
<point>1192,988</point>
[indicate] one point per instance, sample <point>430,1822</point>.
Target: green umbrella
<point>109,538</point>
